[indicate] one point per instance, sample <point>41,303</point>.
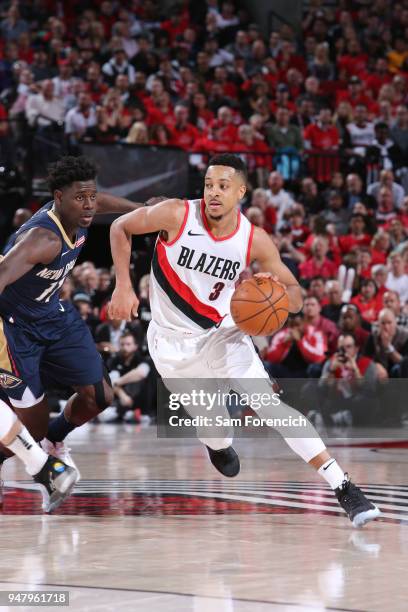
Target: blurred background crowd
<point>319,113</point>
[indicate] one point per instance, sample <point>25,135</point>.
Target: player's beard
<point>213,218</point>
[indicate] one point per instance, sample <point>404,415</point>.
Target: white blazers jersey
<point>194,276</point>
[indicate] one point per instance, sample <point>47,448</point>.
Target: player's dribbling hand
<point>271,276</point>
<point>123,305</point>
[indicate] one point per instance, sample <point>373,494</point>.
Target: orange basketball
<point>259,306</point>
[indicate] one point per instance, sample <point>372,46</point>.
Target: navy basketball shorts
<point>60,348</point>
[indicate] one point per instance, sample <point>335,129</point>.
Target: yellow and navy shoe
<point>57,479</point>
<point>61,451</point>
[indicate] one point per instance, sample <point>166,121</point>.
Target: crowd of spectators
<point>208,80</point>
<point>321,120</point>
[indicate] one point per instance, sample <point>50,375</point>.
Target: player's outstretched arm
<point>167,216</point>
<point>38,245</point>
<point>267,255</point>
<point>110,204</point>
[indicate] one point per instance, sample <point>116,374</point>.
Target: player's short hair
<point>68,170</point>
<point>230,160</point>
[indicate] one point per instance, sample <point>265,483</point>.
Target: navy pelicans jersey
<point>35,295</point>
<point>194,276</point>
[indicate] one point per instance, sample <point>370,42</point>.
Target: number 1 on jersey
<point>49,291</point>
<point>216,290</point>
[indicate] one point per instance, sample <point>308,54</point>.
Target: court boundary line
<point>217,597</point>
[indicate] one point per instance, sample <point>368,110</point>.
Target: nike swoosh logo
<point>327,466</point>
<point>190,233</point>
<point>65,253</point>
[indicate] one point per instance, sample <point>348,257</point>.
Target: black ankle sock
<point>59,428</point>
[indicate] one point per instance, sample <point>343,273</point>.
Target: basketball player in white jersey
<point>202,248</point>
<point>55,477</point>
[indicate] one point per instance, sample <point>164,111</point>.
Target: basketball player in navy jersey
<point>202,248</point>
<point>38,332</point>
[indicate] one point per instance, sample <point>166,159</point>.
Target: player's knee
<point>96,398</point>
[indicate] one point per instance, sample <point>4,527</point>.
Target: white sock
<point>332,473</point>
<point>30,453</point>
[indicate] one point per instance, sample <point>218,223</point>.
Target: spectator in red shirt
<point>294,80</point>
<point>185,134</point>
<point>348,380</point>
<point>322,135</point>
<point>294,349</point>
<point>298,230</point>
<point>366,301</point>
<point>380,247</point>
<point>224,124</point>
<point>25,52</point>
<point>260,200</point>
<point>350,322</point>
<point>317,289</point>
<point>201,116</point>
<point>160,135</point>
<point>363,262</point>
<point>94,83</point>
<point>287,58</point>
<point>375,80</point>
<point>355,96</point>
<point>156,87</point>
<point>107,16</point>
<point>354,62</point>
<point>176,25</point>
<point>229,88</point>
<point>312,313</point>
<point>379,275</point>
<point>282,99</point>
<point>318,264</point>
<point>357,235</point>
<point>162,111</point>
<point>258,165</point>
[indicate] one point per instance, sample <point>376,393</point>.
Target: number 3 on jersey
<point>49,291</point>
<point>216,290</point>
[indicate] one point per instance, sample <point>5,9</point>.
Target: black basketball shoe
<point>353,501</point>
<point>225,460</point>
<point>57,479</point>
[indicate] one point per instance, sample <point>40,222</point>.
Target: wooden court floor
<point>153,527</point>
